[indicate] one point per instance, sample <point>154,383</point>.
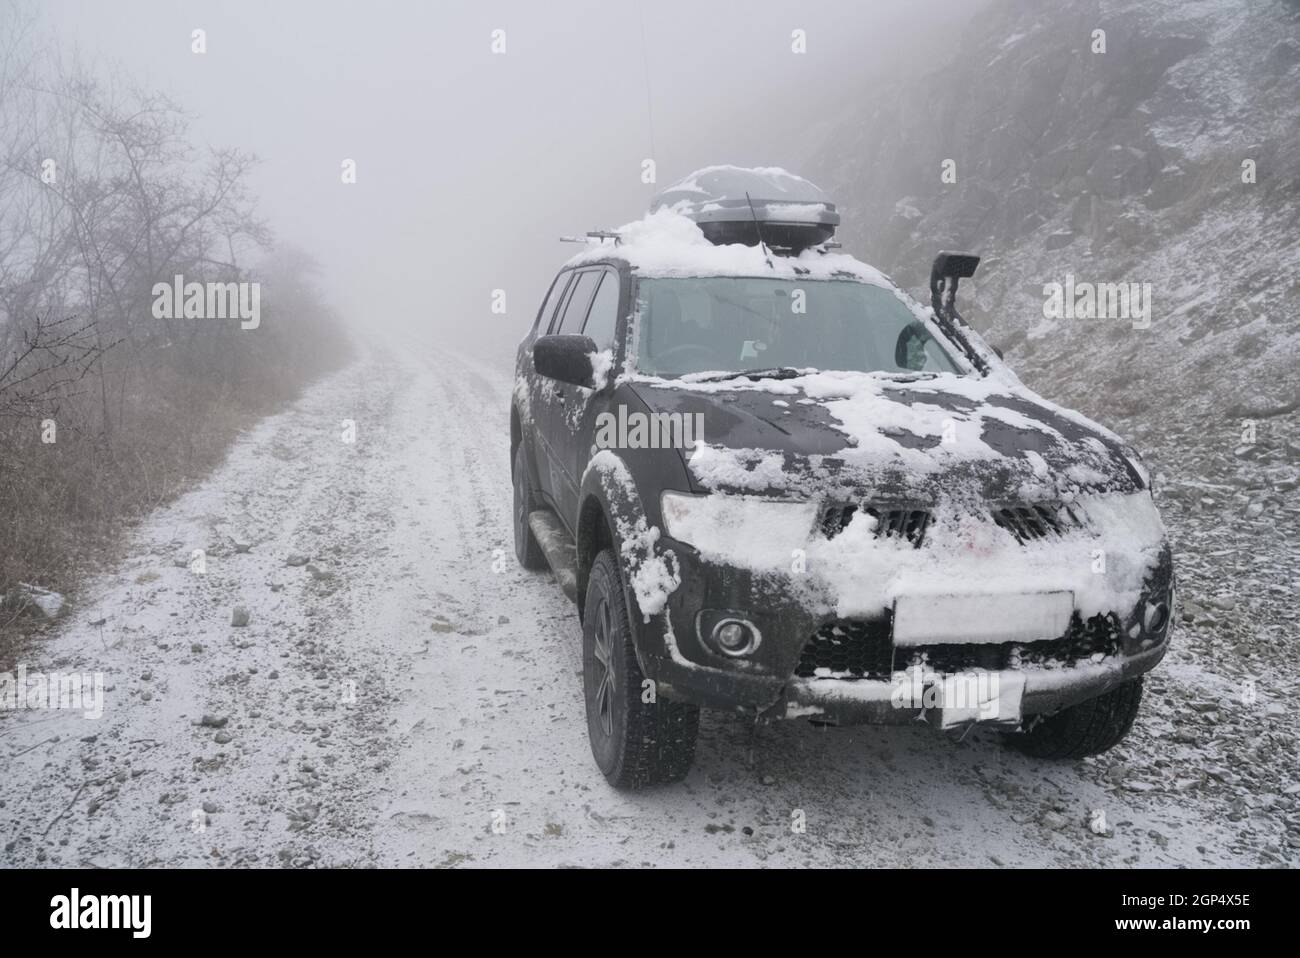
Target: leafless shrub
<point>101,197</point>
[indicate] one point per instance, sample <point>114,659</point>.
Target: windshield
<point>733,324</point>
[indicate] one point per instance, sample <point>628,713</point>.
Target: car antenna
<point>767,254</point>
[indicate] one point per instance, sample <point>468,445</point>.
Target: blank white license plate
<point>956,619</point>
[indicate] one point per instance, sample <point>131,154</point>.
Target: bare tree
<point>102,196</point>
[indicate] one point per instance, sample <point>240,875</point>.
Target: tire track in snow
<point>275,777</point>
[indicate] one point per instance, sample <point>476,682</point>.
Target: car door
<point>558,401</point>
<point>585,405</point>
<point>539,387</point>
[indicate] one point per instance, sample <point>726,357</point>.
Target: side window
<point>575,311</point>
<point>564,302</point>
<point>548,308</point>
<point>602,321</point>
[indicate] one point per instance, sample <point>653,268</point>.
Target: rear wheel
<point>527,551</point>
<point>635,742</point>
<point>1089,728</point>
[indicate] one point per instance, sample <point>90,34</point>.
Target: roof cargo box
<point>734,204</point>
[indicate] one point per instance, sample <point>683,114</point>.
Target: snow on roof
<point>736,204</point>
<point>761,182</point>
<point>666,243</point>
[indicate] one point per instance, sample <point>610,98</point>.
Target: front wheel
<point>1089,728</point>
<point>638,738</point>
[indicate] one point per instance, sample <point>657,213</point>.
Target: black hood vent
<point>1039,520</point>
<point>892,522</point>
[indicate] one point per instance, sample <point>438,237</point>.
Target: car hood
<point>911,439</point>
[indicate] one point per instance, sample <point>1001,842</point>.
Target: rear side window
<point>575,311</point>
<point>553,297</point>
<point>603,318</point>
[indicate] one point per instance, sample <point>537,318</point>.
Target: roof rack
<point>598,235</point>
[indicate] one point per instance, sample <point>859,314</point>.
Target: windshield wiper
<point>772,372</point>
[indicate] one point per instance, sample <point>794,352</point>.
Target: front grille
<point>1037,520</point>
<point>850,648</point>
<point>1101,633</point>
<point>855,649</point>
<point>1027,522</point>
<point>904,522</point>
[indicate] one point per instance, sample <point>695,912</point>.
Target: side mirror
<point>946,272</point>
<point>566,358</point>
<point>955,265</point>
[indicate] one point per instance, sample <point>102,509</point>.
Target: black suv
<point>772,482</point>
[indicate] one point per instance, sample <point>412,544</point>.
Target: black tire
<point>635,743</point>
<point>527,551</point>
<point>1089,728</point>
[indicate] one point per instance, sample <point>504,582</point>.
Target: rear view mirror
<point>909,348</point>
<point>566,358</point>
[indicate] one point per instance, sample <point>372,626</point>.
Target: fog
<point>340,585</point>
<point>471,163</point>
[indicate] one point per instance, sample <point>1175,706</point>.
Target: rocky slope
<point>1127,166</point>
<point>1115,166</point>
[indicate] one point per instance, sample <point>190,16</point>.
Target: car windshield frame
<point>948,351</point>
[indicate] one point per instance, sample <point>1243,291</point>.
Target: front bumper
<point>675,652</point>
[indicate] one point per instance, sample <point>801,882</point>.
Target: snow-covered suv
<point>773,482</point>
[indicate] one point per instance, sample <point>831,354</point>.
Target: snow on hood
<point>865,438</point>
<point>921,438</point>
<point>1102,565</point>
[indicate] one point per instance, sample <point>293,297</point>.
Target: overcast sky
<point>470,163</point>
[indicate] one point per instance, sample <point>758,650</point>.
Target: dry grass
<point>64,506</point>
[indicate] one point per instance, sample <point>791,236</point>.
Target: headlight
<point>743,529</point>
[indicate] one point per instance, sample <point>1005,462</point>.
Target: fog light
<point>735,637</point>
<point>1156,617</point>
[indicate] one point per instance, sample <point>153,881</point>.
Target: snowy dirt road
<point>407,695</point>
